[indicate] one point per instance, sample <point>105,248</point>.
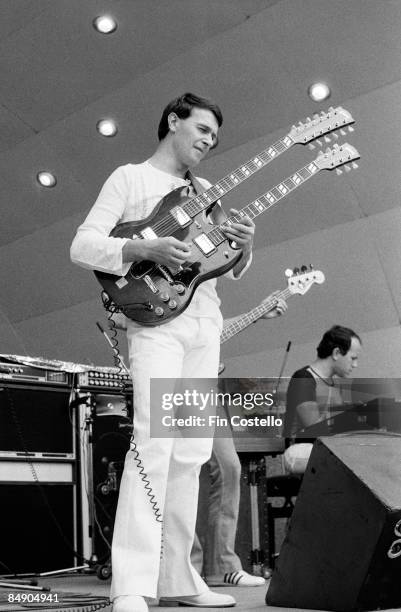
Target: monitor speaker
<point>342,551</point>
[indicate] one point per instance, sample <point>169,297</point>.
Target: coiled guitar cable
<point>126,392</point>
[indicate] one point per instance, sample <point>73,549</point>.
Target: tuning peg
<point>347,168</point>
<point>310,266</point>
<point>319,143</point>
<point>294,127</point>
<point>327,139</point>
<point>350,128</point>
<point>335,135</point>
<point>328,150</point>
<point>331,109</point>
<point>336,147</point>
<point>338,171</point>
<point>296,270</point>
<point>343,132</point>
<point>288,273</point>
<point>355,165</point>
<point>311,146</point>
<point>308,119</point>
<point>304,268</point>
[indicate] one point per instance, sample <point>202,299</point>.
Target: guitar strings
<point>169,225</point>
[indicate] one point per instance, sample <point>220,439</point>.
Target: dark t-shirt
<point>304,387</point>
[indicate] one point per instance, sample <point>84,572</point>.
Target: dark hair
<point>182,107</point>
<point>336,337</point>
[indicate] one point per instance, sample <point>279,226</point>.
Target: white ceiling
<point>256,58</point>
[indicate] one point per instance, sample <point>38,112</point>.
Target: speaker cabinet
<point>103,454</point>
<point>36,419</point>
<point>342,551</point>
<point>37,527</point>
<point>111,443</point>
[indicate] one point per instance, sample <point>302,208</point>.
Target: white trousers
<point>156,514</point>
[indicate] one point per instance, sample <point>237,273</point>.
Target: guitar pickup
<point>204,244</point>
<point>148,233</point>
<point>182,218</point>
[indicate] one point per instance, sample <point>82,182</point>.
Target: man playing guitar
<point>154,528</point>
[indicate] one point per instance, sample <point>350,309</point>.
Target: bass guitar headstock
<point>300,280</point>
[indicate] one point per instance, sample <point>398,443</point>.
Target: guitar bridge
<point>166,274</point>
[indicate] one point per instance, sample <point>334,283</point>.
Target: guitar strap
<point>196,185</point>
<point>198,188</point>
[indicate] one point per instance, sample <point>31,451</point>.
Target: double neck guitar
<point>152,294</point>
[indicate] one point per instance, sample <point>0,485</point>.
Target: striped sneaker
<point>240,578</point>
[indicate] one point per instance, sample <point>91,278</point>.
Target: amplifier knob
<point>164,296</point>
<point>172,304</point>
<point>159,312</point>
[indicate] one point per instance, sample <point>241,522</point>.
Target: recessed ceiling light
<point>107,127</point>
<point>105,24</point>
<point>46,179</point>
<point>319,91</point>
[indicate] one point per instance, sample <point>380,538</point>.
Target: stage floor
<point>75,592</point>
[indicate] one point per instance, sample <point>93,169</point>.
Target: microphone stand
<point>287,350</point>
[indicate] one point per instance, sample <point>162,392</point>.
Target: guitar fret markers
<point>211,195</point>
<point>257,207</point>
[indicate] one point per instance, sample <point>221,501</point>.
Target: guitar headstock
<point>300,280</point>
<point>320,125</point>
<point>339,155</point>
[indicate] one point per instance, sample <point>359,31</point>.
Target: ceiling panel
<point>12,129</point>
<point>16,14</point>
<point>65,64</point>
<point>29,206</point>
<point>39,275</point>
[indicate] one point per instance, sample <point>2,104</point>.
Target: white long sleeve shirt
<point>130,194</point>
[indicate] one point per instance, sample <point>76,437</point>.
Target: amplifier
<point>36,421</point>
<point>31,374</point>
<point>105,378</point>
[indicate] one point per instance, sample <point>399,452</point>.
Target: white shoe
<point>209,599</point>
<point>130,603</point>
<point>240,578</point>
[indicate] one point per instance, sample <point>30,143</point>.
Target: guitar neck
<point>265,201</point>
<point>243,321</point>
<point>204,200</point>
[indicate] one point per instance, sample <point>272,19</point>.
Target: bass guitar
<point>152,294</point>
<point>299,282</point>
